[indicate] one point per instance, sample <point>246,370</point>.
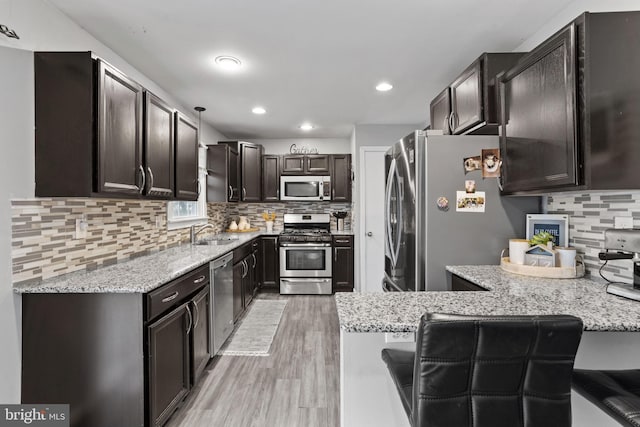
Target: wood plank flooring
<point>297,385</point>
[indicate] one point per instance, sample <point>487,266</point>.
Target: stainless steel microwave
<point>305,188</point>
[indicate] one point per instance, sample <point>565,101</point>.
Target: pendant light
<point>200,110</point>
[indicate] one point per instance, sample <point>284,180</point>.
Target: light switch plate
<point>390,337</point>
<point>81,227</point>
<point>623,222</point>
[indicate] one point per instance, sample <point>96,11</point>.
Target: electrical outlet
<point>623,222</point>
<point>158,221</point>
<point>390,337</point>
<point>81,227</point>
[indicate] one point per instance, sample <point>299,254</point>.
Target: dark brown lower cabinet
<point>169,363</point>
<point>238,289</point>
<point>116,359</point>
<point>460,284</point>
<point>270,262</point>
<point>342,264</point>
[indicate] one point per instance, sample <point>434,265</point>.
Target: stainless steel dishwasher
<point>222,301</point>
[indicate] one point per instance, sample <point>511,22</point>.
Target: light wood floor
<point>297,385</point>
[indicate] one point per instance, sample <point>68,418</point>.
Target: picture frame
<point>555,224</point>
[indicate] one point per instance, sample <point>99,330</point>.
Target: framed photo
<point>556,225</point>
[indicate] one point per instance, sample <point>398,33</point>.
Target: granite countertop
<point>141,274</point>
<point>509,294</point>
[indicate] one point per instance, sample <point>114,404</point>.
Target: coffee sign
<point>294,149</point>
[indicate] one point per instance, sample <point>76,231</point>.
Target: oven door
<point>305,260</point>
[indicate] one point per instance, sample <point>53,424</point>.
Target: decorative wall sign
<point>556,225</point>
<point>470,202</point>
<point>294,149</point>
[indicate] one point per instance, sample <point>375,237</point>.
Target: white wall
<point>369,135</point>
<point>324,145</point>
<point>16,181</point>
<point>571,12</point>
<point>41,26</point>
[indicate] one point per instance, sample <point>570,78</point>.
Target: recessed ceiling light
<point>306,127</point>
<point>258,110</point>
<point>229,63</point>
<point>384,87</point>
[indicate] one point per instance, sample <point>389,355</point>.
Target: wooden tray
<point>547,272</point>
<point>248,230</point>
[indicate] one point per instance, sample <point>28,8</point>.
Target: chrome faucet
<point>195,232</point>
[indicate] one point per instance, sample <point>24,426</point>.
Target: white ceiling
<point>304,60</point>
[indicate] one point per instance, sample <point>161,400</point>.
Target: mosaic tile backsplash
<point>589,215</point>
<point>43,234</point>
<point>253,212</point>
<point>43,231</point>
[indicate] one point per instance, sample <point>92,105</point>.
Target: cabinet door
<point>293,164</point>
<point>168,363</point>
<point>120,169</point>
<point>238,301</point>
<point>270,178</point>
<point>466,99</point>
<point>251,158</point>
<point>440,109</point>
<point>538,139</point>
<point>341,177</point>
<point>257,266</point>
<point>186,164</point>
<point>343,264</point>
<point>317,164</point>
<point>247,280</point>
<point>234,176</point>
<point>270,262</point>
<point>201,333</point>
<point>158,147</point>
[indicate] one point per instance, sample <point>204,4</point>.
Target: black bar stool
<point>615,392</point>
<point>485,371</point>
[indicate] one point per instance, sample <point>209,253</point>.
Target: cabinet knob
<point>369,234</point>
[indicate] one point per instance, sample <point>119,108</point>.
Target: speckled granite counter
<point>509,294</point>
<point>139,275</point>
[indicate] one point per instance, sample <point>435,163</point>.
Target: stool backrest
<point>512,371</point>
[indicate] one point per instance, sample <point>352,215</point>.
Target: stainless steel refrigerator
<point>421,237</point>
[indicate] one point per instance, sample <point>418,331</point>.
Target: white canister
<point>517,250</point>
<point>566,256</point>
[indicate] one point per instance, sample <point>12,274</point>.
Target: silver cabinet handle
<point>190,319</point>
<point>451,126</point>
<point>346,241</point>
<point>199,279</point>
<point>369,234</point>
<point>171,297</point>
<point>141,169</point>
<point>445,124</point>
<point>197,315</point>
<point>255,261</point>
<point>245,268</point>
<point>275,246</point>
<point>150,179</point>
<point>244,193</point>
<point>230,192</point>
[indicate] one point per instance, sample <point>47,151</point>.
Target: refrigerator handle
<point>399,222</point>
<point>389,234</point>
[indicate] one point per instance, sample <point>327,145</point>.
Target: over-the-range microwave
<point>305,188</point>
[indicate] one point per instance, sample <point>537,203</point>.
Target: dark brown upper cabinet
<point>249,168</point>
<point>159,147</point>
<point>187,187</point>
<point>473,97</point>
<point>569,110</point>
<point>306,164</point>
<point>120,168</point>
<point>98,133</point>
<point>440,109</point>
<point>222,174</point>
<point>270,178</point>
<point>341,177</point>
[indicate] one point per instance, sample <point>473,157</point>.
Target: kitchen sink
<point>218,241</point>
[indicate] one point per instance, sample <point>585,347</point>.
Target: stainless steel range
<point>305,254</point>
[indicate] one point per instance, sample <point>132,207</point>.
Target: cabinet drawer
<point>342,240</point>
<point>175,292</point>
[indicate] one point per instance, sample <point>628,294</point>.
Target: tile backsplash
<point>253,212</point>
<point>43,230</point>
<point>589,215</point>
